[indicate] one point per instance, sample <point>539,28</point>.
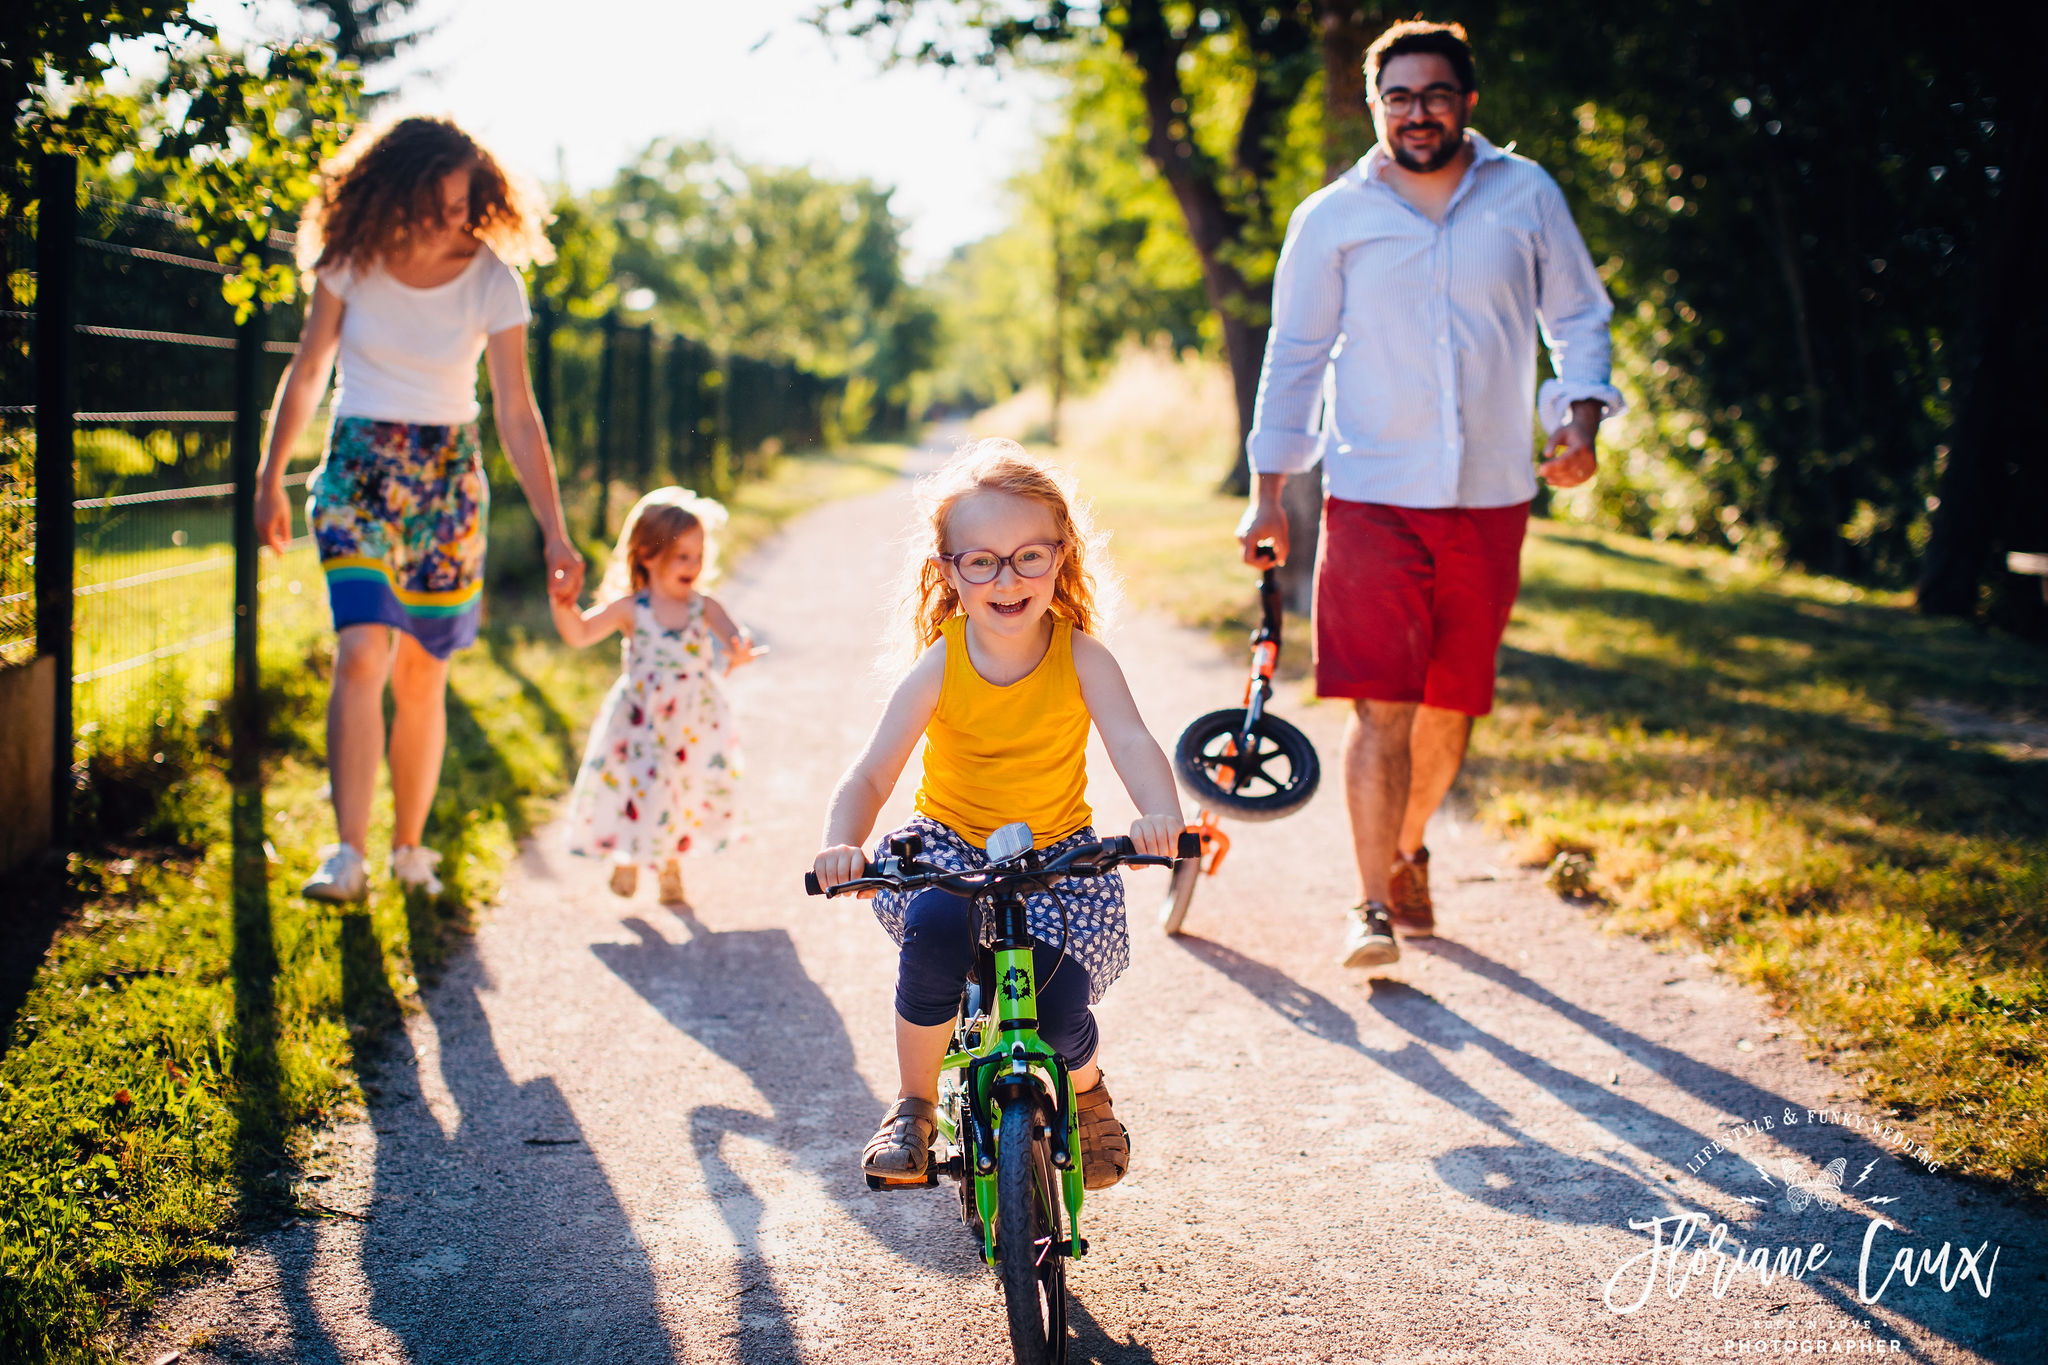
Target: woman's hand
<point>1156,835</point>
<point>565,570</point>
<point>273,516</point>
<point>840,863</point>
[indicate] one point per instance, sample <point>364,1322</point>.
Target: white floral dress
<point>659,775</point>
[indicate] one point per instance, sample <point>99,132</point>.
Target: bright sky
<point>586,83</point>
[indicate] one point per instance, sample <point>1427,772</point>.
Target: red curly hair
<point>1085,589</point>
<point>384,187</point>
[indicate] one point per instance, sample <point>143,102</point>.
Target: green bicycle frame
<point>1008,1057</point>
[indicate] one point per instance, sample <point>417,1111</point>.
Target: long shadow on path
<point>745,996</point>
<point>1533,1179</point>
<point>502,1241</point>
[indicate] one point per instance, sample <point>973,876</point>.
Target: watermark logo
<point>1783,1233</point>
<point>1825,1188</point>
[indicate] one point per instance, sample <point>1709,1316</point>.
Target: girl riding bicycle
<point>1001,603</point>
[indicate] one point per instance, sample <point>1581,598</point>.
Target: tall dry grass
<point>1154,413</point>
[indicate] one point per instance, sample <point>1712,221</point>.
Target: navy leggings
<point>938,956</point>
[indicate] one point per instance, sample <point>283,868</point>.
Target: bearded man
<point>1407,308</point>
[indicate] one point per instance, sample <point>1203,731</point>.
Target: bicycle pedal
<point>925,1181</point>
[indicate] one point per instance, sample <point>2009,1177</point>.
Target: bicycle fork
<point>1009,1074</point>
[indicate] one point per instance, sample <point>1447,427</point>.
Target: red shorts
<point>1411,602</point>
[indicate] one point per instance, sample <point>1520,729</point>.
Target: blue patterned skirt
<point>1093,929</point>
<point>398,512</point>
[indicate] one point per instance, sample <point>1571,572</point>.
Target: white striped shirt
<point>1416,341</point>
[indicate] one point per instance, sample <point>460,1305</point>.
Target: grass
<point>1755,763</point>
<point>196,1023</point>
<point>1843,802</point>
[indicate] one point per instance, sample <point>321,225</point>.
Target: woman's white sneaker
<point>342,876</point>
<point>413,865</point>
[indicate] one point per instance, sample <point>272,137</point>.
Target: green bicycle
<point>1006,1122</point>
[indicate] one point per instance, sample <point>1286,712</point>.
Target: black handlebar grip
<point>1190,845</point>
<point>811,887</point>
<point>1265,550</point>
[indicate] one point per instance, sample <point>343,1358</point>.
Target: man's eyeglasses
<point>982,566</point>
<point>1437,100</point>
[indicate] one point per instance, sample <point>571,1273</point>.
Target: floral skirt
<point>1086,916</point>
<point>398,513</point>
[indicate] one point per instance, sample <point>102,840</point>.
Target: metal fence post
<point>722,440</point>
<point>56,529</point>
<point>544,393</point>
<point>606,376</point>
<point>643,458</point>
<point>246,704</point>
<point>544,363</point>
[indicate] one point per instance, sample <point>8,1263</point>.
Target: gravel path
<point>621,1134</point>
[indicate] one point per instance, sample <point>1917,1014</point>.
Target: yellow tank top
<point>996,754</point>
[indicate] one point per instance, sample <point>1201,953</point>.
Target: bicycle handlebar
<point>1089,860</point>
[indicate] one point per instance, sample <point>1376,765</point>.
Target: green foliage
<point>1219,92</point>
<point>231,139</point>
<point>198,1022</point>
<point>776,262</point>
<point>578,282</point>
<point>1792,213</point>
<point>183,1039</point>
<point>45,44</point>
<point>1787,219</point>
<point>1095,216</point>
<point>1812,783</point>
<point>364,31</point>
<point>1092,217</point>
<point>236,140</point>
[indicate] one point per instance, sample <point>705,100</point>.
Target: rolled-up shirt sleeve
<point>1308,305</point>
<point>1574,312</point>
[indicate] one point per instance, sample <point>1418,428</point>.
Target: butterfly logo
<point>1825,1188</point>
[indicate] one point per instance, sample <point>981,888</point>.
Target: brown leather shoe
<point>902,1146</point>
<point>1105,1143</point>
<point>1408,889</point>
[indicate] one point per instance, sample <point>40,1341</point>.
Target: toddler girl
<point>1002,605</point>
<point>657,778</point>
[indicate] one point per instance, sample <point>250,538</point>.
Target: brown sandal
<point>902,1146</point>
<point>1105,1143</point>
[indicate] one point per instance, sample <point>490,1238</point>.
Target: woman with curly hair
<point>413,241</point>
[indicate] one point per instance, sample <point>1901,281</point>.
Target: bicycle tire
<point>1179,893</point>
<point>1260,794</point>
<point>1028,1251</point>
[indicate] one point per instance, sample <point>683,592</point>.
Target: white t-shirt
<point>409,355</point>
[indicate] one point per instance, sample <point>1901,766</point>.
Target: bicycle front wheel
<point>1029,1244</point>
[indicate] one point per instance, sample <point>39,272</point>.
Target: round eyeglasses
<point>981,566</point>
<point>1437,100</point>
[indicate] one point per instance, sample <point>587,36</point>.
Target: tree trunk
<point>1348,28</point>
<point>1242,307</point>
